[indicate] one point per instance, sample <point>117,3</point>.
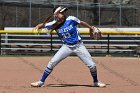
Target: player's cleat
<point>99,84</point>
<point>37,84</point>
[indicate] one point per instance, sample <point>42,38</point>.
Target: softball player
<point>72,43</point>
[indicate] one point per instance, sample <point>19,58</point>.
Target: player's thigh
<point>61,54</point>
<point>85,56</point>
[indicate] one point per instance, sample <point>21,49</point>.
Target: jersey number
<point>66,35</point>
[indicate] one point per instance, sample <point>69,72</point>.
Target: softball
<point>35,31</point>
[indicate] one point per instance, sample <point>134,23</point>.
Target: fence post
<point>108,41</point>
<point>0,43</point>
<point>120,19</point>
<point>30,13</point>
<point>99,14</point>
<point>51,44</point>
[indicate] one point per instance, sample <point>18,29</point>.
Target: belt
<point>79,41</point>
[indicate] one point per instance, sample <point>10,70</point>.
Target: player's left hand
<point>95,33</point>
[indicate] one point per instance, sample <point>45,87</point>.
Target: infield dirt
<point>122,75</point>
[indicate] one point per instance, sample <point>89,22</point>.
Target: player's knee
<point>91,65</point>
<point>51,64</point>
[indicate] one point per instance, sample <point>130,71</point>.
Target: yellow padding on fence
<point>112,31</point>
<point>121,32</point>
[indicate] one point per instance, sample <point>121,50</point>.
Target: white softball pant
<point>79,49</point>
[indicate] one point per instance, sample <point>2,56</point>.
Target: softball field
<point>121,74</point>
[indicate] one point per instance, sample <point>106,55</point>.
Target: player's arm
<point>94,32</point>
<point>36,29</point>
<point>39,26</point>
<point>85,24</point>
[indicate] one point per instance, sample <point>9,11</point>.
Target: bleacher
<point>28,44</point>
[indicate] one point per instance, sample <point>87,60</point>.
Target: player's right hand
<point>35,30</point>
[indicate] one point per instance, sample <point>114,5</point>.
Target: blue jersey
<point>68,32</point>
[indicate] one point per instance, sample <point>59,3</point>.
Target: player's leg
<point>85,56</point>
<point>63,52</point>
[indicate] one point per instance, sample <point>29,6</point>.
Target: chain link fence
<point>28,13</point>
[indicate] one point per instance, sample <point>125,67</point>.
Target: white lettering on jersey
<point>66,29</point>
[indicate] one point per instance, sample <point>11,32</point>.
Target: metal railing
<point>26,44</point>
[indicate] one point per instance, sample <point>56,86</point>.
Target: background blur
<point>104,13</point>
<point>113,14</point>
